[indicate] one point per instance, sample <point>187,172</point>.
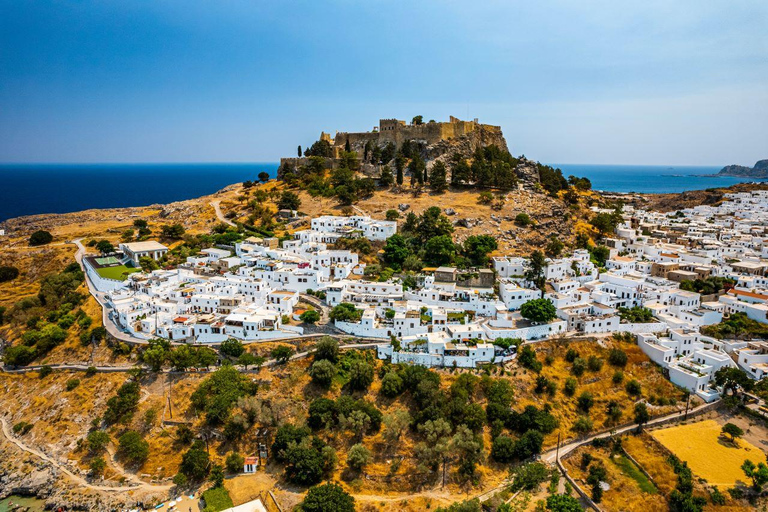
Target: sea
<point>27,189</point>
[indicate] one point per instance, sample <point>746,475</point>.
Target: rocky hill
<point>760,170</point>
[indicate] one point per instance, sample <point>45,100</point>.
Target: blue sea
<point>59,188</point>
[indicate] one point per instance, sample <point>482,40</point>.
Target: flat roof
<point>149,245</point>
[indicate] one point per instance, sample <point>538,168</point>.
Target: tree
<point>40,237</point>
<point>529,444</point>
<point>529,476</point>
<point>757,472</point>
<point>345,312</point>
<point>232,347</point>
<point>234,462</point>
<point>385,178</point>
<point>133,448</point>
<point>437,177</point>
<point>617,357</point>
<point>360,375</point>
<point>417,168</point>
<point>563,503</point>
<point>97,466</point>
<point>523,219</point>
<point>539,310</point>
<point>195,462</point>
<point>322,372</point>
<point>327,348</point>
<point>613,411</point>
<point>327,497</point>
<point>634,387</point>
<point>477,247</point>
<point>585,401</point>
<point>391,384</point>
<point>282,353</point>
<point>535,272</point>
<point>172,231</point>
<point>396,250</point>
<point>600,254</point>
<point>527,359</point>
<point>18,355</point>
<point>289,201</point>
<point>310,316</point>
<point>439,250</point>
<point>105,247</point>
<point>217,476</point>
<point>641,414</point>
<point>503,449</point>
<point>732,430</point>
<point>554,247</point>
<point>358,457</point>
<point>264,176</point>
<point>97,441</point>
<point>247,359</point>
<point>392,214</point>
<point>733,379</point>
<point>8,274</point>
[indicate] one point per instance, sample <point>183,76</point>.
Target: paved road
<point>216,206</point>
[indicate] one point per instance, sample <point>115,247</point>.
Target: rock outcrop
<point>760,170</point>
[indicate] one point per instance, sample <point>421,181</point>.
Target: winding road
<point>217,207</point>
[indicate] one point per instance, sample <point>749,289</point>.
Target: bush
<point>358,457</point>
<point>571,355</point>
<point>391,384</point>
<point>217,499</point>
<point>327,348</point>
<point>585,401</point>
<point>8,274</point>
<point>195,462</point>
<point>583,425</point>
<point>133,448</point>
<point>40,237</point>
<point>360,375</point>
<point>22,427</point>
<point>538,310</point>
<point>322,372</point>
<point>570,386</point>
<point>45,371</point>
<point>617,357</point>
<point>523,220</point>
<point>594,363</point>
<point>97,441</point>
<point>503,449</point>
<point>232,347</point>
<point>310,316</point>
<point>235,462</point>
<point>327,497</point>
<point>579,366</point>
<point>633,387</point>
<point>19,355</point>
<point>72,384</point>
<point>618,377</point>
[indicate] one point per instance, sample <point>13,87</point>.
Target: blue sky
<point>671,83</point>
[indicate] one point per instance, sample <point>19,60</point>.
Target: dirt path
<point>77,478</point>
<point>216,206</point>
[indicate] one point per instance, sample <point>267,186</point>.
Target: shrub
<point>97,441</point>
<point>618,377</point>
<point>310,316</point>
<point>585,401</point>
<point>40,237</point>
<point>327,348</point>
<point>594,363</point>
<point>360,375</point>
<point>571,355</point>
<point>358,457</point>
<point>503,449</point>
<point>133,448</point>
<point>523,219</point>
<point>232,347</point>
<point>195,462</point>
<point>19,355</point>
<point>8,273</point>
<point>617,357</point>
<point>72,384</point>
<point>570,386</point>
<point>234,462</point>
<point>579,366</point>
<point>322,372</point>
<point>583,425</point>
<point>45,371</point>
<point>391,384</point>
<point>633,387</point>
<point>326,497</point>
<point>22,427</point>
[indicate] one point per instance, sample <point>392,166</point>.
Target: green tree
<point>310,316</point>
<point>289,201</point>
<point>327,348</point>
<point>439,250</point>
<point>391,384</point>
<point>40,237</point>
<point>539,310</point>
<point>554,247</point>
<point>396,250</point>
<point>8,273</point>
<point>757,472</point>
<point>477,247</point>
<point>328,497</point>
<point>322,372</point>
<point>732,430</point>
<point>360,375</point>
<point>172,231</point>
<point>417,120</point>
<point>264,176</point>
<point>232,347</point>
<point>299,151</point>
<point>733,379</point>
<point>234,462</point>
<point>417,168</point>
<point>282,353</point>
<point>105,247</point>
<point>563,503</point>
<point>358,457</point>
<point>535,272</point>
<point>641,414</point>
<point>133,448</point>
<point>437,177</point>
<point>97,441</point>
<point>195,462</point>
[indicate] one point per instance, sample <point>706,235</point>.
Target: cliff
<point>760,170</point>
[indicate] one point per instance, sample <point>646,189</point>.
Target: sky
<point>613,82</point>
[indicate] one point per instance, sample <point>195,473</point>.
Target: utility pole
<point>170,388</point>
<point>687,403</point>
<point>557,450</point>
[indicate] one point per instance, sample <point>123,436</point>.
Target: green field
<point>628,468</point>
<point>217,499</point>
<point>118,273</point>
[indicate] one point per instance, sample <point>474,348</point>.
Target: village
<point>259,290</point>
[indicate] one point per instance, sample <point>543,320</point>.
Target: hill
<point>760,170</point>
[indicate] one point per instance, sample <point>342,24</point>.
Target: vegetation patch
<point>632,471</point>
<point>217,499</point>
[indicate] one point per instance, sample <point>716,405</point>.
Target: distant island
<point>760,170</point>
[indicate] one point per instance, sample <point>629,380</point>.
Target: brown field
<point>709,456</point>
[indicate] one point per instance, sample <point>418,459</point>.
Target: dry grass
<point>708,455</point>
